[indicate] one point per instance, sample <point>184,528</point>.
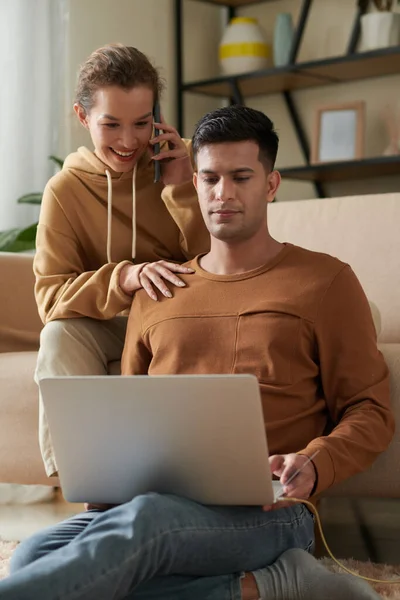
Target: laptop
<point>197,436</point>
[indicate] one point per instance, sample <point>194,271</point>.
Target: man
<point>300,322</point>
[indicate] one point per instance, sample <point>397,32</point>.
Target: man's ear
<point>195,179</point>
<point>81,114</point>
<point>274,181</point>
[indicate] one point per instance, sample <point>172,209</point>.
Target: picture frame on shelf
<point>338,133</point>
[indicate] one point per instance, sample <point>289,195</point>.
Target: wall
<point>149,25</point>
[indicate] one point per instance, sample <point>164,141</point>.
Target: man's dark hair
<point>238,124</point>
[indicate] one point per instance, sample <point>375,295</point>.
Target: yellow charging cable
<point>315,512</point>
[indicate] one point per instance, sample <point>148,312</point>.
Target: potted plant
<point>23,240</point>
<point>381,27</point>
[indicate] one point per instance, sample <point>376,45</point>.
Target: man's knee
<point>159,511</point>
<point>28,551</point>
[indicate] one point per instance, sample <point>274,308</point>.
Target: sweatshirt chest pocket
<point>267,345</point>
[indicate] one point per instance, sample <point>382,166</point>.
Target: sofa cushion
<point>20,324</point>
<point>21,461</point>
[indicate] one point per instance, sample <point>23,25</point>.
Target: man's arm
<point>355,382</point>
<point>136,357</point>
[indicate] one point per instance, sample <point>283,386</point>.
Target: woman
<point>106,229</point>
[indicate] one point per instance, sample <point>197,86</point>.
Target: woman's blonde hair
<point>115,64</point>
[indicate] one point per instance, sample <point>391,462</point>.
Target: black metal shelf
<point>349,67</point>
<point>367,168</point>
<point>339,69</point>
<point>235,3</point>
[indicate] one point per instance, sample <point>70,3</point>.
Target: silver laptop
<point>200,437</point>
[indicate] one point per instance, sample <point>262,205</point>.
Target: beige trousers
<point>75,347</point>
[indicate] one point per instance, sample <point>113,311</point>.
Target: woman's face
<point>120,125</point>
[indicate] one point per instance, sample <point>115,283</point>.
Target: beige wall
<point>149,25</point>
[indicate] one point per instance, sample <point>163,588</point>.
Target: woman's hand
<point>152,277</point>
<point>176,165</point>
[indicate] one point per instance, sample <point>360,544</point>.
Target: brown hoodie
<point>93,221</point>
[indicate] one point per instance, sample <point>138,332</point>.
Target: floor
<point>18,521</point>
<point>362,529</point>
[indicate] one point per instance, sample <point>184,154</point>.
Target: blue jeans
<point>135,548</point>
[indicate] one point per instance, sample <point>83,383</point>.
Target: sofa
<point>359,230</point>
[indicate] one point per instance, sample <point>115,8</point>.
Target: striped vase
<point>243,47</point>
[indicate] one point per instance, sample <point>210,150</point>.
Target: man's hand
<point>284,466</point>
<point>101,507</point>
<point>176,165</point>
<point>151,276</point>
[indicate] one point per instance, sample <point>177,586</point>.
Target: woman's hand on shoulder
<point>152,277</point>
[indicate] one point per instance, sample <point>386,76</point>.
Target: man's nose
<point>225,190</point>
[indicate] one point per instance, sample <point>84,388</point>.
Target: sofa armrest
<point>383,478</point>
<point>20,324</point>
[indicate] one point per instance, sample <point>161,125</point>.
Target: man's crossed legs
<point>160,546</point>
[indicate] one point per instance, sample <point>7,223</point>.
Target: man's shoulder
<point>324,266</point>
<point>309,277</point>
<point>151,310</point>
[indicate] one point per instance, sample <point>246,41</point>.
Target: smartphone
<point>157,119</point>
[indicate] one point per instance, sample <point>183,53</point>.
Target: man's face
<point>234,188</point>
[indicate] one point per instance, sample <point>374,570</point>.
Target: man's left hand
<point>283,466</point>
<point>176,165</point>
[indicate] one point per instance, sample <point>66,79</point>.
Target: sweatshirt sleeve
<point>63,288</point>
<point>136,357</point>
<point>355,381</point>
<point>183,205</point>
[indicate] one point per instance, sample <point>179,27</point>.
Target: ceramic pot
<point>380,30</point>
<point>243,47</point>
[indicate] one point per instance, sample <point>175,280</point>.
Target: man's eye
<point>241,179</point>
<point>111,125</point>
<point>210,180</point>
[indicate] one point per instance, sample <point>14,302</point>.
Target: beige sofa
<point>359,230</point>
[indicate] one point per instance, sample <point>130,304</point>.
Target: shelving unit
<point>349,67</point>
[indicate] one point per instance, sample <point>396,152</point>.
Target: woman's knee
<point>57,332</point>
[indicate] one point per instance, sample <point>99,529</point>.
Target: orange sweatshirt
<point>80,251</point>
<point>303,326</point>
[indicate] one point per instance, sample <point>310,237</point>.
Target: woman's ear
<point>81,114</point>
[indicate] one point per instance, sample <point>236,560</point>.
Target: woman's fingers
<point>154,275</point>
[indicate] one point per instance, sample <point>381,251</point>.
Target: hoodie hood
<point>86,162</point>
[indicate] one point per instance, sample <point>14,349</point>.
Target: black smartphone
<point>157,119</point>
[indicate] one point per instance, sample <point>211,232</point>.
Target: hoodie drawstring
<point>134,212</point>
<point>109,214</point>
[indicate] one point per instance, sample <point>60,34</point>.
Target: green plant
<point>21,240</point>
<point>384,5</point>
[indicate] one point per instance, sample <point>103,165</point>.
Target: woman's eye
<point>142,123</point>
<point>111,125</point>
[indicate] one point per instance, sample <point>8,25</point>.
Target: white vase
<point>244,47</point>
<point>380,30</point>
